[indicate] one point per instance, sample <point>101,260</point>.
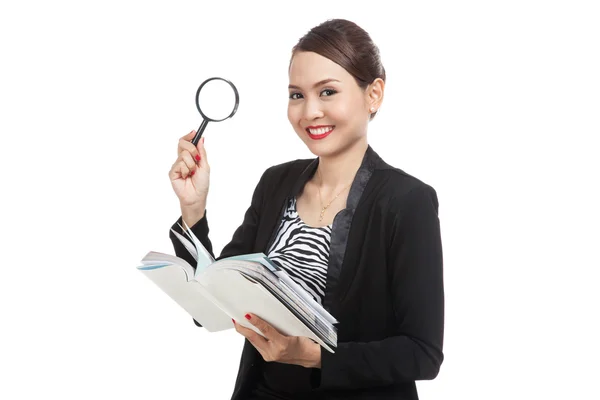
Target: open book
<point>215,292</point>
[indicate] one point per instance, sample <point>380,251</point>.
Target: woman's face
<point>327,108</point>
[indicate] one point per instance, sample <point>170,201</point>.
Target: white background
<point>494,104</point>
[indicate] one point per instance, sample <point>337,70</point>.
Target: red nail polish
<point>233,320</point>
<point>197,157</point>
<point>247,316</point>
<point>192,173</point>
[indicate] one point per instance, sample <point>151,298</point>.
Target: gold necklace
<point>321,199</point>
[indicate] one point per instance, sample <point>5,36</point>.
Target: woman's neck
<point>337,171</point>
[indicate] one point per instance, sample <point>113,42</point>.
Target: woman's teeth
<point>320,131</point>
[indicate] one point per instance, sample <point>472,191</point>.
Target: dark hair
<point>347,44</point>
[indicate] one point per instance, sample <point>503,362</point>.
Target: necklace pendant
<point>321,215</point>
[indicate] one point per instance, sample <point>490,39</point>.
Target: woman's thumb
<point>201,149</point>
<point>190,136</point>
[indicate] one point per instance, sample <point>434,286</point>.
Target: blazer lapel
<point>279,201</point>
<point>341,227</point>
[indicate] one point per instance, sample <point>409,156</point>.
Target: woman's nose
<point>312,110</point>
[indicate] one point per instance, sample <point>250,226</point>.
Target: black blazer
<point>384,279</point>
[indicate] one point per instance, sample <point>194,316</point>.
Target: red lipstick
<point>326,129</point>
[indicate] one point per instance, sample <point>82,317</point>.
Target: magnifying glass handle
<point>201,128</point>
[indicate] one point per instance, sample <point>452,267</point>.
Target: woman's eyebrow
<point>323,82</point>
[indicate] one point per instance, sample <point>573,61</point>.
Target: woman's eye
<point>295,96</point>
<point>328,92</point>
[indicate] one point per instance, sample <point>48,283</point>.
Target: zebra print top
<point>302,251</point>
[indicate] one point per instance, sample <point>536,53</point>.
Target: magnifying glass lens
<point>216,99</point>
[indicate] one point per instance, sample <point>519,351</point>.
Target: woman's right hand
<point>190,174</point>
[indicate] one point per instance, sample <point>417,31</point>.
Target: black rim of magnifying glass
<point>206,119</point>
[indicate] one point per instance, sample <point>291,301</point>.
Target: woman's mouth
<point>319,132</point>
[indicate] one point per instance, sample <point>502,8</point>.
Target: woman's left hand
<point>277,347</point>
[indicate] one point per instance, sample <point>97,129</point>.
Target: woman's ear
<point>375,95</point>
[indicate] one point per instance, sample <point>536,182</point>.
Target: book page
<point>283,276</point>
<point>155,259</point>
<point>238,296</point>
<point>202,256</point>
<point>190,295</point>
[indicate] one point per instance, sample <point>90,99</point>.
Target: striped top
<point>302,251</point>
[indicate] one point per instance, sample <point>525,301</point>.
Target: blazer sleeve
<point>416,273</point>
<point>243,238</point>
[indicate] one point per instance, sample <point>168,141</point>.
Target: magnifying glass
<point>216,100</point>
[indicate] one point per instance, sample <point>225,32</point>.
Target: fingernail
<point>197,157</point>
<point>233,320</point>
<point>247,316</point>
<point>192,173</point>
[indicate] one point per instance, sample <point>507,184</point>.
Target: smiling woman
<point>359,235</point>
<point>337,103</point>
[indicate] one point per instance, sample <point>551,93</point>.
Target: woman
<point>361,236</point>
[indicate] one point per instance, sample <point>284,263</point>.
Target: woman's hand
<point>190,174</point>
<point>277,347</point>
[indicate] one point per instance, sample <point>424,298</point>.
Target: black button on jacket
<point>384,279</point>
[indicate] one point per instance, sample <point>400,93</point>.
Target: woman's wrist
<point>314,356</point>
<point>192,214</point>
